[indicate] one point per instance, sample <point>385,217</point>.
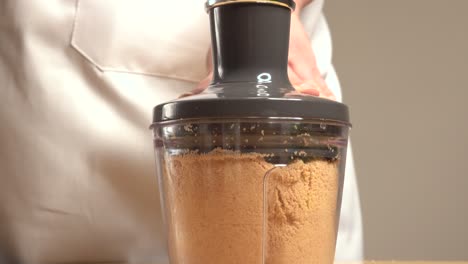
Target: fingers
<point>202,85</point>
<point>303,71</point>
<point>301,57</point>
<point>323,90</point>
<point>293,77</point>
<point>307,71</point>
<point>300,85</point>
<point>312,92</point>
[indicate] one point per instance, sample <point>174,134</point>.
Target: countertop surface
<point>405,262</point>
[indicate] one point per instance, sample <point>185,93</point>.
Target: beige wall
<point>404,70</point>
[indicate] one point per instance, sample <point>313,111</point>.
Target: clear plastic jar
<point>251,190</point>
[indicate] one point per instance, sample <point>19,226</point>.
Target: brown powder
<point>217,209</point>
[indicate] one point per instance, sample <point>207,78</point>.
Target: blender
<point>250,171</point>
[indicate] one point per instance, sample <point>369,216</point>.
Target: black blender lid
<point>220,102</point>
<point>250,56</point>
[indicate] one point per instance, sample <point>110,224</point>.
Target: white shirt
<point>78,81</point>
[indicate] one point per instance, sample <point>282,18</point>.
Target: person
<point>78,82</point>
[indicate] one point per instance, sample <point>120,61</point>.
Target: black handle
<point>250,44</point>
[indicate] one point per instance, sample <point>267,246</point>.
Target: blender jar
<point>249,170</point>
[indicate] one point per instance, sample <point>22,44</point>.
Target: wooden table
<point>414,262</point>
<point>405,262</point>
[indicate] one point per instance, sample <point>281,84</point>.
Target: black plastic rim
<point>284,3</point>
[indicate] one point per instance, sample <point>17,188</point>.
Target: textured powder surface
<point>217,209</point>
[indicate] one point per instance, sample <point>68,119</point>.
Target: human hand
<point>302,67</point>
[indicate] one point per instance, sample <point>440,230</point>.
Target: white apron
<point>78,80</point>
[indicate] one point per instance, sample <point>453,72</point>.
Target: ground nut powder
<point>216,209</point>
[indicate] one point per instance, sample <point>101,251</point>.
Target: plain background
<point>403,66</point>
